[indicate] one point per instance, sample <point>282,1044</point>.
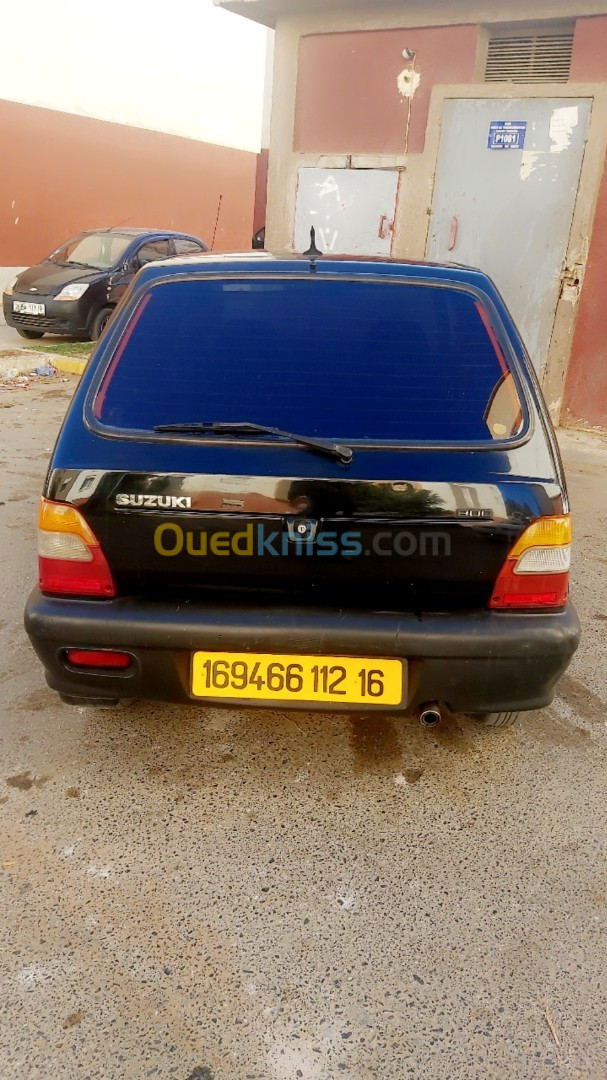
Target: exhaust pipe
<point>430,714</point>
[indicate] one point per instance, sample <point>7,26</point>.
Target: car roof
<point>265,262</point>
<point>120,230</point>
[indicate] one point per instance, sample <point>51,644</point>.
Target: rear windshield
<point>338,358</point>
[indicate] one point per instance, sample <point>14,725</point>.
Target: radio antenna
<point>312,253</point>
<point>216,222</point>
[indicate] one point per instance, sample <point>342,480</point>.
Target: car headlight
<point>72,292</point>
<point>9,288</point>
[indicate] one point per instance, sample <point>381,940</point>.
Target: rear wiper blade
<point>319,446</point>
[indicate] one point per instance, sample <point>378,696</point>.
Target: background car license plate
<point>270,677</point>
<point>22,307</point>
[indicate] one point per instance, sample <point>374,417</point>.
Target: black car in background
<point>76,288</point>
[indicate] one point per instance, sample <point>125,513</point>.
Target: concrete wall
<point>585,399</point>
<point>337,105</point>
<point>310,104</point>
<point>261,186</point>
<point>61,173</point>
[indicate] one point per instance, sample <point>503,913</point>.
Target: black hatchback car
<point>76,288</point>
<point>345,494</point>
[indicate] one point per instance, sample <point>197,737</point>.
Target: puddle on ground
<point>374,740</point>
<point>449,735</point>
<point>25,781</point>
<point>58,393</point>
<point>412,775</point>
<point>583,701</point>
<point>73,1019</point>
<point>36,701</point>
<point>551,730</point>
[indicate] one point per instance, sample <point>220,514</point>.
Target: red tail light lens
<point>97,658</point>
<point>536,572</point>
<point>70,559</point>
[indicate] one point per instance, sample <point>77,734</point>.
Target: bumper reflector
<point>97,658</point>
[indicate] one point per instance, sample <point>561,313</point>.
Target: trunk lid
<point>427,545</point>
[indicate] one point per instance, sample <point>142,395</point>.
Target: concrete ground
<point>10,340</point>
<point>234,895</point>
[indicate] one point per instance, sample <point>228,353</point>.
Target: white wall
<point>181,66</point>
<point>268,91</point>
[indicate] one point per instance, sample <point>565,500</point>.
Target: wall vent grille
<point>536,58</point>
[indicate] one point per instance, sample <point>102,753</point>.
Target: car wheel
<point>30,334</point>
<point>100,322</point>
<point>497,719</point>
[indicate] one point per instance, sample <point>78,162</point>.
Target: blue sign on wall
<point>507,134</point>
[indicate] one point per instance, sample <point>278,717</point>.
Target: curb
<point>19,360</point>
<point>72,367</point>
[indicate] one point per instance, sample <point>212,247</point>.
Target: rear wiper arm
<point>319,446</point>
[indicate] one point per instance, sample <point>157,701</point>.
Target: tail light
<point>70,559</point>
<point>536,572</point>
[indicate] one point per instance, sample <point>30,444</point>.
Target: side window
<point>155,249</point>
<point>187,247</point>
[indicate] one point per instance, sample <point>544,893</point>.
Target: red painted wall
<point>589,60</point>
<point>61,173</point>
<point>347,96</point>
<point>586,385</point>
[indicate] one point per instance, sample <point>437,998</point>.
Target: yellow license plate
<point>350,680</point>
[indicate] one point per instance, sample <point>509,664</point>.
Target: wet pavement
<point>219,895</point>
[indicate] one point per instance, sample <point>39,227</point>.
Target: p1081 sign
<point>507,135</point>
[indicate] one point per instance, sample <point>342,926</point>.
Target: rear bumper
<point>480,662</point>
